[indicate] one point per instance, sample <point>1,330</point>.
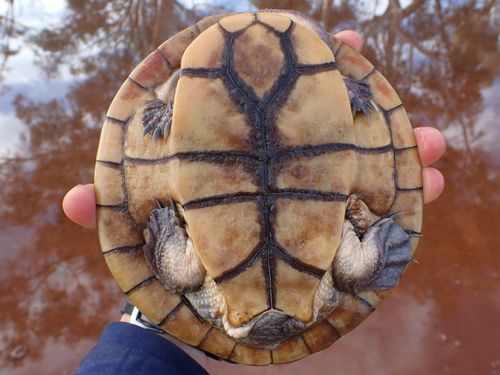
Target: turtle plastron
<point>257,128</point>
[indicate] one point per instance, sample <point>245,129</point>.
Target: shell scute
<point>129,268</point>
<point>173,49</point>
<point>237,22</point>
<point>402,135</point>
<point>310,49</point>
<point>206,22</point>
<point>329,172</point>
<point>258,58</point>
<point>383,93</point>
<point>218,343</point>
<point>305,117</point>
<point>155,301</point>
<point>153,70</point>
<point>130,96</point>
<point>408,207</point>
<point>195,180</point>
<point>221,251</point>
<point>291,350</point>
<point>320,336</point>
<point>408,167</point>
<point>349,314</point>
<point>143,192</point>
<point>295,291</point>
<point>111,141</point>
<point>116,228</point>
<point>371,132</point>
<point>336,44</point>
<point>374,181</point>
<point>309,231</point>
<point>205,118</point>
<point>248,355</point>
<point>108,186</point>
<point>275,21</point>
<point>213,41</point>
<point>177,322</point>
<point>351,63</point>
<point>252,281</point>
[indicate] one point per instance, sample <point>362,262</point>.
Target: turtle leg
<point>170,252</point>
<point>157,119</point>
<point>157,116</point>
<point>360,96</point>
<point>373,252</point>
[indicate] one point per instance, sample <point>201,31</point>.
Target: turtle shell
<point>262,155</point>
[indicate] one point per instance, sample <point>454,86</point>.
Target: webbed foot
<point>170,252</point>
<point>360,96</point>
<point>372,255</point>
<point>157,119</point>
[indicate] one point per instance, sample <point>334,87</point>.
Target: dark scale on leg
<point>373,252</point>
<point>272,328</point>
<point>170,252</point>
<point>396,254</point>
<point>359,231</point>
<point>360,96</point>
<point>157,119</point>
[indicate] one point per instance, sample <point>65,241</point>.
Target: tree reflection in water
<point>439,55</point>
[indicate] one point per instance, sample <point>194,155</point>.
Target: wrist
<point>196,354</point>
<point>125,318</point>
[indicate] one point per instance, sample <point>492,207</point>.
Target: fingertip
<point>433,184</point>
<point>431,144</point>
<point>79,205</point>
<point>351,38</point>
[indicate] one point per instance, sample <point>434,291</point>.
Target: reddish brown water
<point>60,66</point>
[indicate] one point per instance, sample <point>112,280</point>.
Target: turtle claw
<point>159,204</point>
<point>360,97</point>
<point>148,129</point>
<point>156,134</point>
<point>157,120</point>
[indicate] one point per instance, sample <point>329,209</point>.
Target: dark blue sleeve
<point>127,349</point>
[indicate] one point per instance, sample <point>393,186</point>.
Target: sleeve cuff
<point>127,349</point>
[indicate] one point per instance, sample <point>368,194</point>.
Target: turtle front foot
<point>170,252</point>
<point>360,96</point>
<point>157,119</point>
<point>373,252</point>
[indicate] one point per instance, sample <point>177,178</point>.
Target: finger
<point>79,205</point>
<point>433,184</point>
<point>352,38</point>
<point>431,144</point>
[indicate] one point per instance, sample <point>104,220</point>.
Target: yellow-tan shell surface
<point>262,155</point>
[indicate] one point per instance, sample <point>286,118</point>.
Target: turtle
<point>258,187</point>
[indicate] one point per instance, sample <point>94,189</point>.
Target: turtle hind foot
<point>360,96</point>
<point>396,253</point>
<point>170,252</point>
<point>157,119</point>
<point>374,259</point>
